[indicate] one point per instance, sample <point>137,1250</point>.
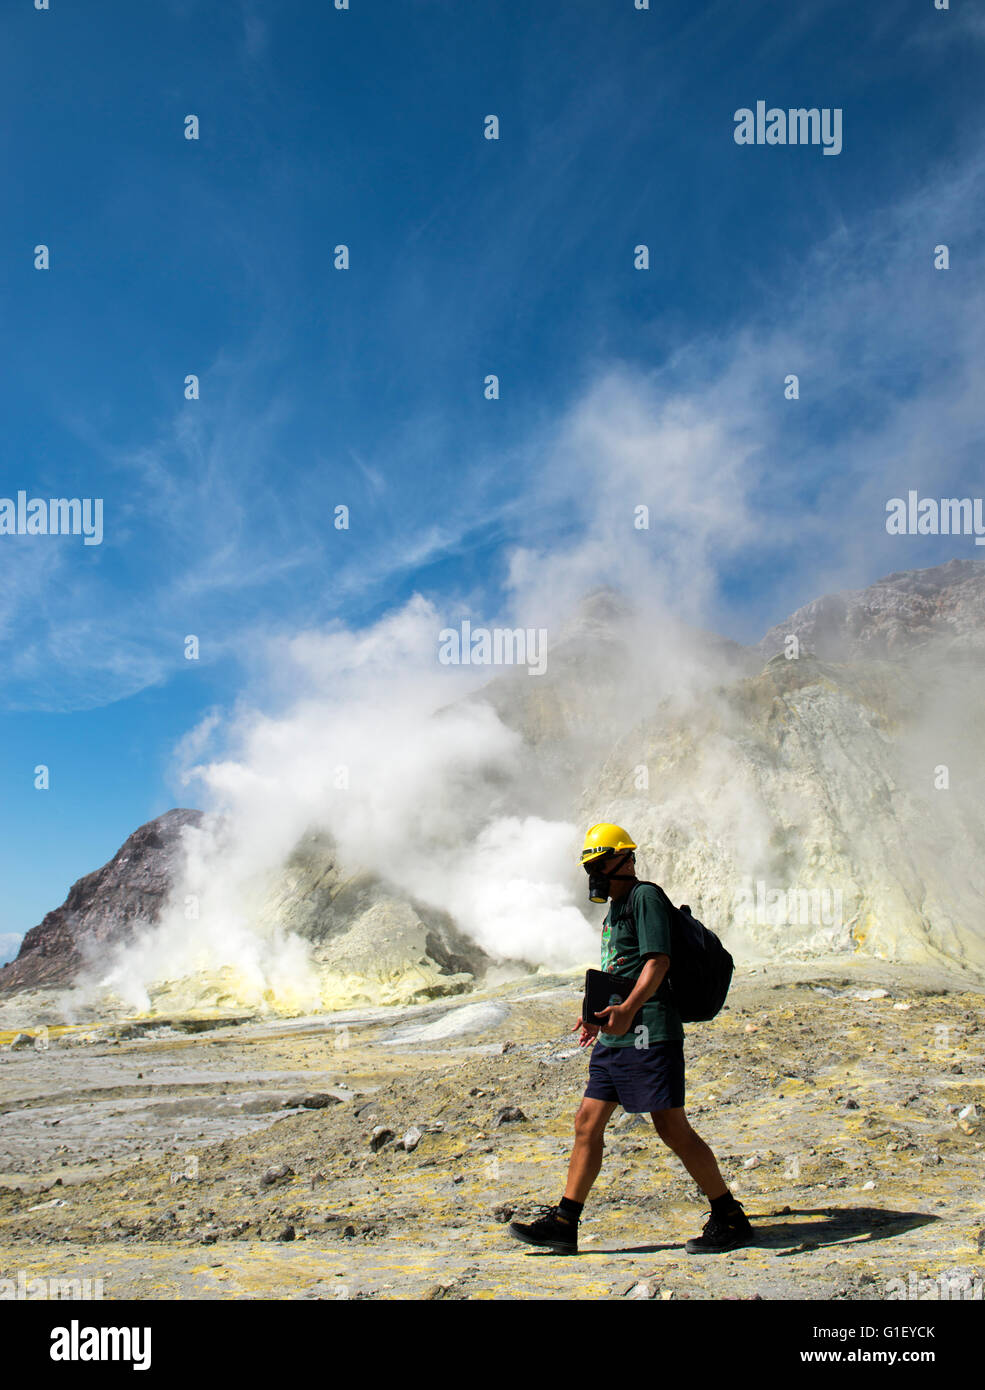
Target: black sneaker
<point>727,1232</point>
<point>552,1229</point>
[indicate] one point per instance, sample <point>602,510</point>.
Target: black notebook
<point>601,990</point>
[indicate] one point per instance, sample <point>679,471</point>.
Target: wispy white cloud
<point>208,530</point>
<point>889,356</point>
<point>958,23</point>
<point>256,32</point>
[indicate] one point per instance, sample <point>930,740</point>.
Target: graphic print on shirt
<point>607,950</point>
<point>610,961</point>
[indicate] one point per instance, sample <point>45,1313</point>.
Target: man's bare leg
<point>591,1119</point>
<point>676,1132</point>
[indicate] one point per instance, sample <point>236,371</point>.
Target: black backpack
<point>700,967</point>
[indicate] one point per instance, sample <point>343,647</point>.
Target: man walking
<point>641,1068</point>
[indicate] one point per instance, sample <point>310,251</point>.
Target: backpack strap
<point>665,992</point>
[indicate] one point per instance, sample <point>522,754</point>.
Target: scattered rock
<point>504,1212</point>
<point>643,1288</point>
<point>287,1233</point>
<point>411,1139</point>
<point>21,1040</point>
<point>381,1135</point>
<point>437,1291</point>
<point>273,1175</point>
<point>968,1119</point>
<point>510,1114</point>
<point>318,1100</point>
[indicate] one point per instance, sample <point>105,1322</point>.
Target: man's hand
<point>589,1031</point>
<point>616,1019</point>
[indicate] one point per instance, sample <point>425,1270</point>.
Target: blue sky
<point>468,256</point>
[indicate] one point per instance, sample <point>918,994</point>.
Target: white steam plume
<point>429,792</point>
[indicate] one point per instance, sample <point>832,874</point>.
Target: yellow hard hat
<point>603,839</point>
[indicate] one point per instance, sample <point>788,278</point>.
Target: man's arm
<point>650,979</point>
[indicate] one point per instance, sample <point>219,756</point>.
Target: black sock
<point>721,1206</point>
<point>570,1208</point>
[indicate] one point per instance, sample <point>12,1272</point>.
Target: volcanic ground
<point>380,1153</point>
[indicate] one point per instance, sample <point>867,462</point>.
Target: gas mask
<point>599,880</point>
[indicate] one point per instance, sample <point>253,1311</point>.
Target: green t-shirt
<point>634,928</point>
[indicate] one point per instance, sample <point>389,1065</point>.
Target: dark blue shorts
<point>645,1078</point>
